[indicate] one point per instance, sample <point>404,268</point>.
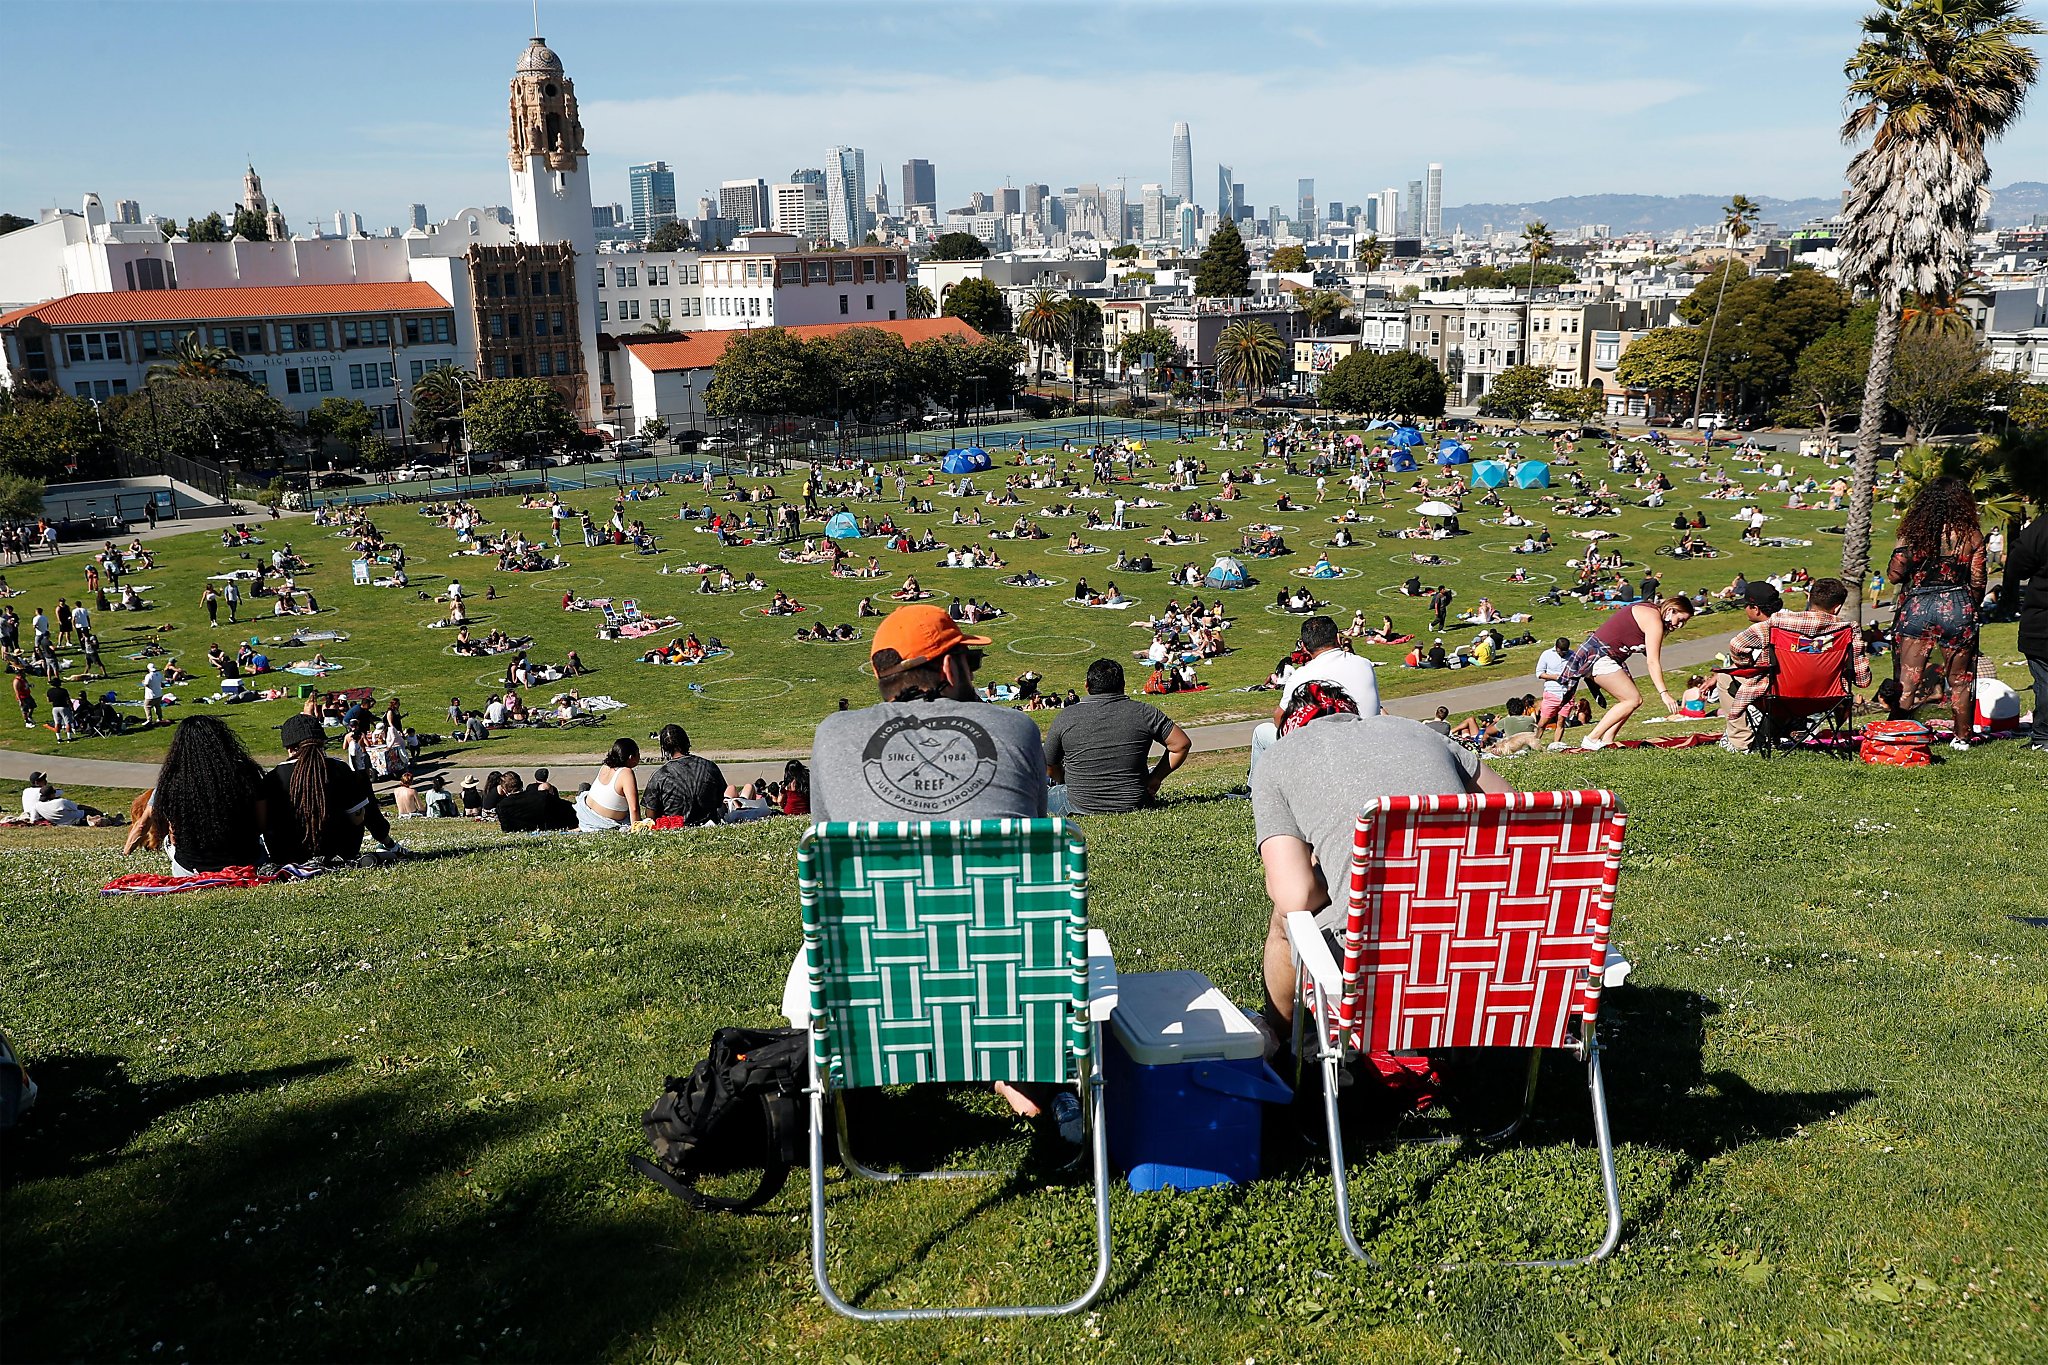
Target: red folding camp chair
<point>1476,921</point>
<point>1812,689</point>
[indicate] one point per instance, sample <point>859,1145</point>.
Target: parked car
<point>1709,421</point>
<point>721,440</point>
<point>1460,424</point>
<point>340,481</point>
<point>629,447</point>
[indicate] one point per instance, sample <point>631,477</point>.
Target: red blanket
<point>152,884</point>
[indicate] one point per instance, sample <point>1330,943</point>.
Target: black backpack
<point>743,1108</point>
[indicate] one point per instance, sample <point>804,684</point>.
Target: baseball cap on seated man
<point>920,636</point>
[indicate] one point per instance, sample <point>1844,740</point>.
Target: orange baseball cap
<point>920,635</point>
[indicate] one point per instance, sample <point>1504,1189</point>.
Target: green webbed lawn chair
<point>951,951</point>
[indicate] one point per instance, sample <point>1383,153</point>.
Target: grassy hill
<point>769,694</point>
<point>385,1115</point>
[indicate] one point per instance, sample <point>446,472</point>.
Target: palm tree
<point>1538,237</point>
<point>442,393</point>
<point>194,359</point>
<point>1372,254</point>
<point>1735,220</point>
<point>1043,322</point>
<point>1941,312</point>
<point>660,327</point>
<point>1248,355</point>
<point>918,301</point>
<point>1931,83</point>
<point>1322,306</point>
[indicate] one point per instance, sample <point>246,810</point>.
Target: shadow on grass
<point>379,1224</point>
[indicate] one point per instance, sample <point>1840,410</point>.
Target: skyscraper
<point>743,201</point>
<point>1412,225</point>
<point>791,204</point>
<point>1389,224</point>
<point>653,196</point>
<point>127,211</point>
<point>1226,206</point>
<point>417,216</point>
<point>920,184</point>
<point>1238,209</point>
<point>1305,207</point>
<point>1433,202</point>
<point>846,179</point>
<point>818,221</point>
<point>1154,228</point>
<point>1183,177</point>
<point>1190,223</point>
<point>1009,200</point>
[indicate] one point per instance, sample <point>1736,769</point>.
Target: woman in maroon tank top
<point>1636,629</point>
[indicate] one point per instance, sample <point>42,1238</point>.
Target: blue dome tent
<point>1226,572</point>
<point>1405,436</point>
<point>1533,474</point>
<point>1401,462</point>
<point>1451,452</point>
<point>843,527</point>
<point>1489,474</point>
<point>971,460</point>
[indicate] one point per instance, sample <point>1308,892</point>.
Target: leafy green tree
<point>1248,354</point>
<point>1137,278</point>
<point>654,429</point>
<point>1698,306</point>
<point>2030,408</point>
<point>1225,269</point>
<point>1941,380</point>
<point>957,374</point>
<point>1827,383</point>
<point>199,416</point>
<point>211,228</point>
<point>1409,293</point>
<point>1156,342</point>
<point>767,372</point>
<point>1580,404</point>
<point>980,305</point>
<point>14,222</point>
<point>1288,260</point>
<point>1125,251</point>
<point>1662,363</point>
<point>1736,219</point>
<point>1516,393</point>
<point>341,419</point>
<point>1084,335</point>
<point>867,373</point>
<point>525,417</point>
<point>1931,84</point>
<point>918,301</point>
<point>957,246</point>
<point>250,226</point>
<point>1399,383</point>
<point>44,433</point>
<point>1765,325</point>
<point>674,235</point>
<point>1520,275</point>
<point>995,361</point>
<point>21,497</point>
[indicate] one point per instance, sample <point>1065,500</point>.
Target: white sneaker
<point>1590,743</point>
<point>1961,746</point>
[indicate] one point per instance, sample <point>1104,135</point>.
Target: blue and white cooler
<point>1185,1076</point>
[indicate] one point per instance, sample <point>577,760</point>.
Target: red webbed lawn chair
<point>1812,688</point>
<point>1475,921</point>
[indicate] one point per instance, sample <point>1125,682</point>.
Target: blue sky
<point>369,105</point>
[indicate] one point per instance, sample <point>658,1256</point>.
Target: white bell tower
<point>551,186</point>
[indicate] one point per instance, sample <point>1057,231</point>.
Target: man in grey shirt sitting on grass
<point>1306,795</point>
<point>1101,749</point>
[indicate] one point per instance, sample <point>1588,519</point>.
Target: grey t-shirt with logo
<point>927,760</point>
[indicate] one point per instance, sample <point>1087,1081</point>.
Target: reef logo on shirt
<point>929,765</point>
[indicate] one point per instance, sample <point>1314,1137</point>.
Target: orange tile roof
<point>253,301</point>
<point>701,350</point>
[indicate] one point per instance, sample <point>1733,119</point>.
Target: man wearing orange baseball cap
<point>932,749</point>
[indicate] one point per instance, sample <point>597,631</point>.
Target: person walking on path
<point>234,597</point>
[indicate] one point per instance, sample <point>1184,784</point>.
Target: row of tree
<point>863,374</point>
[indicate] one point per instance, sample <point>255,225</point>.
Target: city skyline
<point>1683,135</point>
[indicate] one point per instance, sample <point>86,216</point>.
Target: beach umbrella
<point>1436,509</point>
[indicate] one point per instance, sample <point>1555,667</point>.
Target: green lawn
<point>385,1115</point>
<point>770,693</point>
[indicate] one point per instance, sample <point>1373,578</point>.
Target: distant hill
<point>2015,203</point>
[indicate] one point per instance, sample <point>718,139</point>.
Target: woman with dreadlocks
<point>319,803</point>
<point>1939,569</point>
<point>209,804</point>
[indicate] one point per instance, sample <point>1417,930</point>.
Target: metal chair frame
<point>1346,1023</point>
<point>1100,1001</point>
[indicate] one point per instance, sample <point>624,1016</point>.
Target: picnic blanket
<point>153,884</point>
